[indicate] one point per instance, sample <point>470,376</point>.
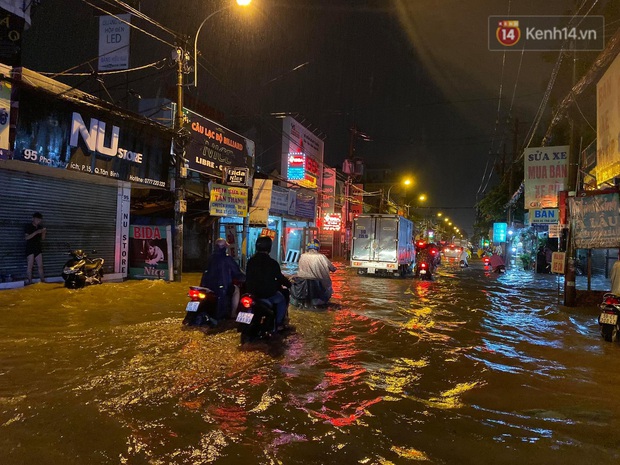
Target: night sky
<point>415,75</point>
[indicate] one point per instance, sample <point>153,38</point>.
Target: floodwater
<point>471,368</point>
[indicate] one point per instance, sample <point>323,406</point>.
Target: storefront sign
<point>545,216</point>
<point>557,262</point>
<point>303,169</point>
<point>328,196</point>
<point>331,222</point>
<point>214,148</point>
<point>279,201</point>
<point>261,201</point>
<point>595,221</point>
<point>150,252</point>
<point>61,134</point>
<point>305,206</point>
<point>228,201</point>
<point>499,232</point>
<point>608,124</point>
<point>237,177</point>
<point>269,233</point>
<point>546,174</point>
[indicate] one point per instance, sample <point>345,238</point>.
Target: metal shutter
<point>77,213</point>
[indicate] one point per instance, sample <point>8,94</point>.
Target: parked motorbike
<point>257,317</point>
<point>201,307</point>
<point>81,270</point>
<point>608,319</point>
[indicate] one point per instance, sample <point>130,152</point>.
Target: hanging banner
<point>227,201</point>
<point>114,35</point>
<point>595,221</point>
<point>546,174</point>
<point>150,252</point>
<point>213,148</point>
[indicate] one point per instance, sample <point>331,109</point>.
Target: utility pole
<point>180,205</point>
<point>511,175</point>
<point>570,291</point>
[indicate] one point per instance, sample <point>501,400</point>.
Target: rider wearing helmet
<point>264,279</point>
<point>314,266</point>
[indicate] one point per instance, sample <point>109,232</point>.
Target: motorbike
<point>487,262</point>
<point>608,319</point>
<point>81,270</point>
<point>201,307</point>
<point>463,264</point>
<point>499,269</point>
<point>424,270</point>
<point>257,317</point>
<point>308,293</point>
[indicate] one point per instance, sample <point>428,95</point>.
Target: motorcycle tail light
<point>247,301</point>
<point>195,294</point>
<point>612,301</point>
<point>423,265</point>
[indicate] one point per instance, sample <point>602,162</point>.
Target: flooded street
<point>471,368</point>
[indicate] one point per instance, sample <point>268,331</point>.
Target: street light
<point>406,182</point>
<point>240,3</point>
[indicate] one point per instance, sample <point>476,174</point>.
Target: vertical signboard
<point>114,35</point>
<point>500,231</point>
<point>328,197</point>
<point>261,202</point>
<point>5,118</point>
<point>121,253</point>
<point>150,252</point>
<point>546,174</point>
<point>608,124</point>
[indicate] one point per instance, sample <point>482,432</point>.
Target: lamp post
<point>406,182</point>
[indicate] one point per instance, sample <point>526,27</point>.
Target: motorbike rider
<point>312,283</point>
<point>496,262</point>
<point>464,258</point>
<point>264,279</point>
<point>221,274</point>
<point>424,255</point>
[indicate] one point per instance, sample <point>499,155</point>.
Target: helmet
<point>221,243</point>
<point>263,244</point>
<point>314,244</point>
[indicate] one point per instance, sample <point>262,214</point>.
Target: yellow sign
<point>228,201</point>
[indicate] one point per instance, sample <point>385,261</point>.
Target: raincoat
<point>221,270</point>
<point>316,266</point>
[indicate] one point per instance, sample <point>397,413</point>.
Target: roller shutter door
<point>75,213</point>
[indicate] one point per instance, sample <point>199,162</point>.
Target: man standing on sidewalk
<point>34,235</point>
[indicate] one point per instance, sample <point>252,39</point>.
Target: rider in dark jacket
<point>221,271</point>
<point>264,279</point>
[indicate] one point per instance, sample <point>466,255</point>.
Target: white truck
<point>383,244</point>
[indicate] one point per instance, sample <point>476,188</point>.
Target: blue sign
<point>499,232</point>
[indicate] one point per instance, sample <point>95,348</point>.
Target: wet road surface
<point>472,368</point>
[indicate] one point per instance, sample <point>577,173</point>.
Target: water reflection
<point>489,365</point>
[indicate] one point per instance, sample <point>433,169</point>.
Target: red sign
<point>268,232</point>
<point>332,222</point>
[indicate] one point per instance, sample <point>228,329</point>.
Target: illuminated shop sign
<point>332,222</point>
<point>303,169</point>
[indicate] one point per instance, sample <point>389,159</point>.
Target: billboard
<point>228,200</point>
<point>214,149</point>
<point>546,174</point>
<point>65,135</point>
<point>114,34</point>
<point>595,221</point>
<point>298,140</point>
<point>608,124</point>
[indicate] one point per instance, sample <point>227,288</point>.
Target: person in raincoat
<point>312,285</point>
<point>221,274</point>
<point>496,261</point>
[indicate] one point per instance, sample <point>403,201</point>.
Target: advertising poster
<point>150,252</point>
<point>546,174</point>
<point>61,134</point>
<point>608,124</point>
<point>114,42</point>
<point>261,202</point>
<point>227,201</point>
<point>595,221</point>
<point>214,149</point>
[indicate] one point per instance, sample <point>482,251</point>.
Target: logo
<point>508,33</point>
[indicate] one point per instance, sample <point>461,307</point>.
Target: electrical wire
<point>156,64</point>
<point>137,13</point>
